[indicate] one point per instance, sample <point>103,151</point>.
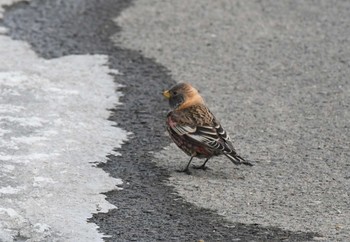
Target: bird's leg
<point>203,167</point>
<point>186,170</point>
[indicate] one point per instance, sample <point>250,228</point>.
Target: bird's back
<point>201,129</point>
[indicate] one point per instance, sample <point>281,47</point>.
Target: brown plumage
<point>194,129</point>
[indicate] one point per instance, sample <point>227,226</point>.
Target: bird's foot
<point>186,170</point>
<point>202,167</point>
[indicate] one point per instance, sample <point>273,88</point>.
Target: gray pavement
<point>276,73</point>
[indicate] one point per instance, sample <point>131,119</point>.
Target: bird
<point>194,128</point>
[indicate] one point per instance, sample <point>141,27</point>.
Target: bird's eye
<point>175,93</point>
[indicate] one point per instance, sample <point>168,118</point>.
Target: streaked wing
<point>183,129</point>
<point>223,135</point>
<point>206,135</point>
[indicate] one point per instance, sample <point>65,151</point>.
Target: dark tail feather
<point>237,160</point>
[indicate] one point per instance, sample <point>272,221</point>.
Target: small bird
<point>194,129</point>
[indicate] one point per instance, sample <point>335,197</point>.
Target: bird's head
<point>182,95</point>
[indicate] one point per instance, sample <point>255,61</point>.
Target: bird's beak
<point>166,94</point>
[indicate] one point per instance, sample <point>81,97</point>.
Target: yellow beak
<point>166,94</point>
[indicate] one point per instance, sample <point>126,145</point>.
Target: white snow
<point>53,126</point>
<point>10,190</point>
<point>9,211</point>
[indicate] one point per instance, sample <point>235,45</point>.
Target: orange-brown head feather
<point>183,95</point>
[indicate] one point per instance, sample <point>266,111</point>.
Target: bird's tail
<point>236,159</point>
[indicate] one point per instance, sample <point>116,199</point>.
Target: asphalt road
<point>274,73</point>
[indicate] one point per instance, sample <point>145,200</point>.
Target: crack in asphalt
<point>148,209</point>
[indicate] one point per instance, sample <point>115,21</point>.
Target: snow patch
<point>42,181</point>
<point>10,190</point>
<point>53,127</point>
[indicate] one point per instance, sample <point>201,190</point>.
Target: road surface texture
<point>274,73</point>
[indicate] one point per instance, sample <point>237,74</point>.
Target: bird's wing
<point>205,135</point>
<point>224,136</point>
<point>198,124</point>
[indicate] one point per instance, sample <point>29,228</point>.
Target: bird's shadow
<point>218,172</point>
<point>217,168</point>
